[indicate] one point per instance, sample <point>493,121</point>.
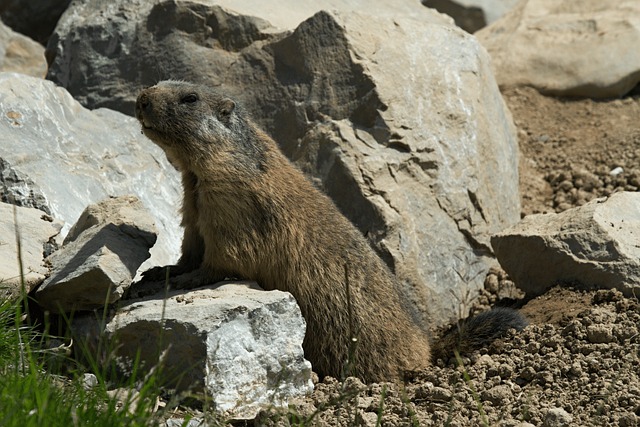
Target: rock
<point>595,245</point>
<point>394,112</point>
<point>37,238</point>
<point>241,344</point>
<point>600,334</point>
<point>69,157</point>
<point>36,19</point>
<point>125,212</point>
<point>542,43</point>
<point>471,15</point>
<point>227,44</point>
<point>89,381</point>
<point>181,422</point>
<point>20,54</point>
<point>557,417</point>
<point>439,394</point>
<point>498,395</point>
<point>99,258</point>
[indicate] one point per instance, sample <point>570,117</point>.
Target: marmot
<point>249,213</point>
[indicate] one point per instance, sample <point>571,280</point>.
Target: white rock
<point>37,233</point>
<point>595,245</point>
<point>616,171</point>
<point>240,343</point>
<point>69,157</point>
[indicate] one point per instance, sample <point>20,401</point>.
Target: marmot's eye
<point>189,99</point>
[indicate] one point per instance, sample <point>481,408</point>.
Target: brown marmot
<point>249,213</point>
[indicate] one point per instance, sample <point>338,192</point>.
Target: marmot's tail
<point>476,332</point>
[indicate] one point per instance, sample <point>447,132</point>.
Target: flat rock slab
<point>100,256</point>
<point>595,245</point>
<point>240,343</point>
<point>584,48</point>
<point>37,232</point>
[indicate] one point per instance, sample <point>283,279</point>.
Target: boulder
<point>20,54</point>
<point>240,344</point>
<point>37,232</point>
<point>471,15</point>
<point>584,48</point>
<point>36,19</point>
<point>594,245</point>
<point>99,257</point>
<point>59,157</point>
<point>393,112</point>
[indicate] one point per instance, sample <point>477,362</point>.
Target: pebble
<point>89,381</point>
<point>557,417</point>
<point>616,171</point>
<point>600,334</point>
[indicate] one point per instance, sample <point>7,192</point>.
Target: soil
<point>578,362</point>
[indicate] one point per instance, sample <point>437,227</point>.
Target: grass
<point>41,387</point>
<point>32,395</point>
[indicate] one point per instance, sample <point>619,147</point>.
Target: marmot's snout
<point>143,109</point>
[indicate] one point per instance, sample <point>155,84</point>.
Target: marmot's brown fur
<point>249,213</point>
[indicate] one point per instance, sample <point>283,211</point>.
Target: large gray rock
<point>36,19</point>
<point>37,232</point>
<point>471,15</point>
<point>394,112</point>
<point>100,256</point>
<point>20,54</point>
<point>59,157</point>
<point>595,245</point>
<point>581,48</point>
<point>241,344</point>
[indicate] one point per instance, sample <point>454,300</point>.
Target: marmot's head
<point>194,124</point>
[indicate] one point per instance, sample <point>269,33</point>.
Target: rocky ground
<point>578,363</point>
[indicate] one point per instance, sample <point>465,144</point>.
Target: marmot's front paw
<point>194,279</point>
<point>157,274</point>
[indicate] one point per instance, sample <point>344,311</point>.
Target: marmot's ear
<point>226,106</point>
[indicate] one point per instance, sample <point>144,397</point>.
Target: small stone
<point>600,334</point>
<point>368,419</point>
<point>491,283</point>
<point>505,371</point>
<point>528,373</point>
<point>180,422</point>
<point>565,185</point>
<point>497,395</point>
<point>628,420</point>
<point>439,394</point>
<point>557,417</point>
<point>89,381</point>
<point>576,369</point>
<point>616,171</point>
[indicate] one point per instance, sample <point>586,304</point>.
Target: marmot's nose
<point>143,103</point>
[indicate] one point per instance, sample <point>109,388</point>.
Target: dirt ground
<point>578,363</point>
